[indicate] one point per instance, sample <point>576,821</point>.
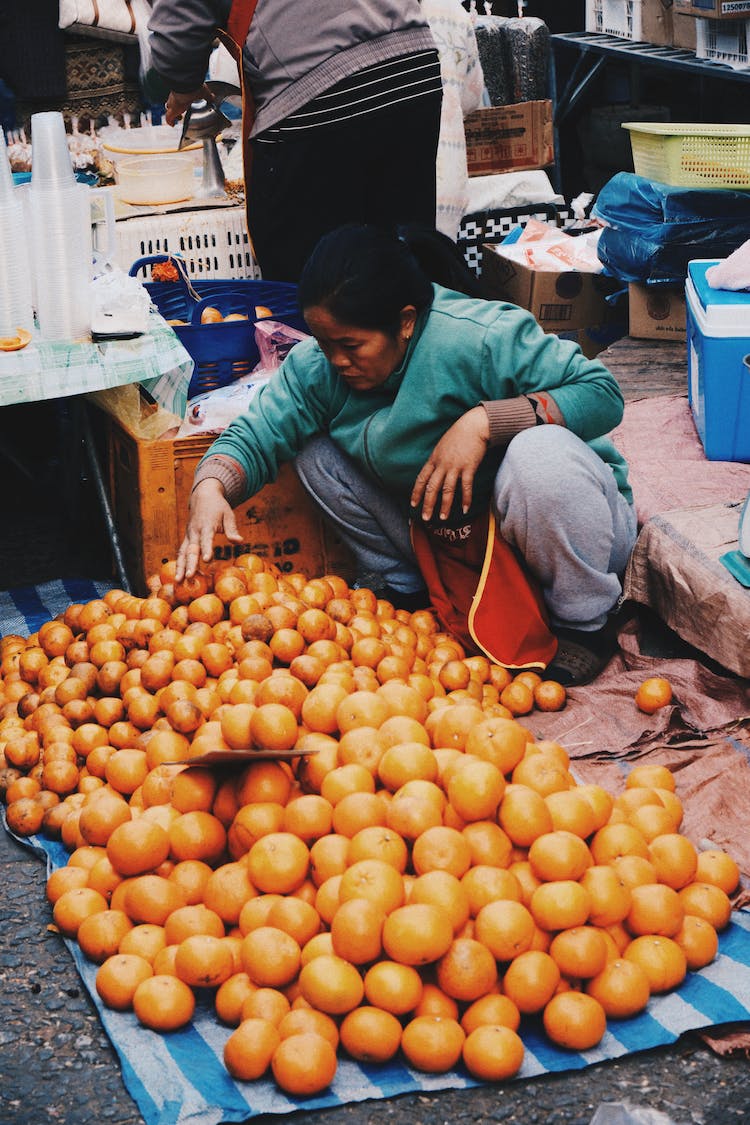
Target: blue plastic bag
<point>653,230</point>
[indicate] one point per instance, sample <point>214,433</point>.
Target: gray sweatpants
<point>555,500</point>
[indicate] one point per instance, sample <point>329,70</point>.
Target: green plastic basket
<point>683,155</point>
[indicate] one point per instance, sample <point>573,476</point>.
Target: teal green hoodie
<point>464,351</point>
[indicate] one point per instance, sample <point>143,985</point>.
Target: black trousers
<point>378,168</point>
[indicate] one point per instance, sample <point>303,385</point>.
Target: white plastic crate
<point>724,41</point>
<point>213,243</point>
<point>622,18</point>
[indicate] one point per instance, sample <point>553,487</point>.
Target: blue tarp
<point>653,230</point>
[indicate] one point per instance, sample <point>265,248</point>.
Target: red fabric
<point>482,594</point>
<point>240,18</point>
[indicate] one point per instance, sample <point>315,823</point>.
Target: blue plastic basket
<point>222,352</point>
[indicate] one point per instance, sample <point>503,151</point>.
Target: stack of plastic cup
<point>16,309</point>
<point>61,246</point>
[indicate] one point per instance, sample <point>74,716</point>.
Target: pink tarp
<point>668,468</point>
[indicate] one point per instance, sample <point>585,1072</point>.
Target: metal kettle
<point>203,121</point>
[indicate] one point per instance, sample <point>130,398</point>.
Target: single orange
<point>304,1064</point>
<point>203,961</point>
<point>357,929</point>
<point>506,927</point>
<point>574,1020</point>
<point>655,908</point>
<point>118,977</point>
<point>697,938</point>
<point>164,1003</point>
<point>622,988</point>
<point>432,1043</point>
<point>467,970</point>
<point>371,1034</point>
<point>579,952</point>
<point>331,984</point>
<point>493,1052</point>
<point>394,987</point>
<point>708,901</point>
<point>417,934</point>
<point>493,1009</point>
<point>717,867</point>
<point>249,1049</point>
<point>661,958</point>
<point>653,694</point>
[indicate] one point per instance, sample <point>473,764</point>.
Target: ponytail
<point>365,275</point>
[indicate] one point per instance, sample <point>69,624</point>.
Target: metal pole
<point>114,538</point>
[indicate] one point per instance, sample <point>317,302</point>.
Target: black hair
<point>364,275</point>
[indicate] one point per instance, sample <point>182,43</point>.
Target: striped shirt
<point>375,88</point>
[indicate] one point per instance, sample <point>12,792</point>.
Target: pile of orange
<point>414,873</point>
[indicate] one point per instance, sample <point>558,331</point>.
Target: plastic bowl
<point>147,181</point>
<point>146,140</point>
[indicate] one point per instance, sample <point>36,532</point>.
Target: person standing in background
<point>346,102</point>
<point>463,91</point>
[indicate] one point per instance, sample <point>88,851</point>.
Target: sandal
<point>581,656</point>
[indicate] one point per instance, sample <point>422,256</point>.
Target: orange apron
<point>482,594</point>
<point>233,38</point>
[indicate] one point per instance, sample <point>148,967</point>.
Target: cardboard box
<point>509,138</point>
<point>563,301</point>
<point>656,312</point>
<point>150,482</point>
<point>656,22</point>
<point>684,32</point>
<point>714,9</point>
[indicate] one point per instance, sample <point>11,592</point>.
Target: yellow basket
<point>706,156</point>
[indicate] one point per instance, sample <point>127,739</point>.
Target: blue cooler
<point>718,340</point>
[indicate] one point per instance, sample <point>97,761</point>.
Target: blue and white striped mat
<point>180,1079</point>
<point>25,608</point>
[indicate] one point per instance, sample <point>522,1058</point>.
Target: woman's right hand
<point>208,513</point>
<point>177,104</point>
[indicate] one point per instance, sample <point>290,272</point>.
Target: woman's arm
<point>563,385</point>
<point>293,406</point>
<point>181,40</point>
<point>548,372</point>
<point>210,511</point>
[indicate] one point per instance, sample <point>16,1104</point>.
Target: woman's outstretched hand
<point>208,513</point>
<point>452,463</point>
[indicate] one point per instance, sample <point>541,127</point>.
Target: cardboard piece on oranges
<point>226,757</point>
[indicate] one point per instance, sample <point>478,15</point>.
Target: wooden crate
<point>150,484</point>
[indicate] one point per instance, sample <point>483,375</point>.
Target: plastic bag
<point>622,1113</point>
<point>733,272</point>
<point>275,340</point>
<point>211,412</point>
<point>545,247</point>
<point>653,230</point>
<point>120,306</point>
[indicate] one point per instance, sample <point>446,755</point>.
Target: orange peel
<point>15,343</point>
